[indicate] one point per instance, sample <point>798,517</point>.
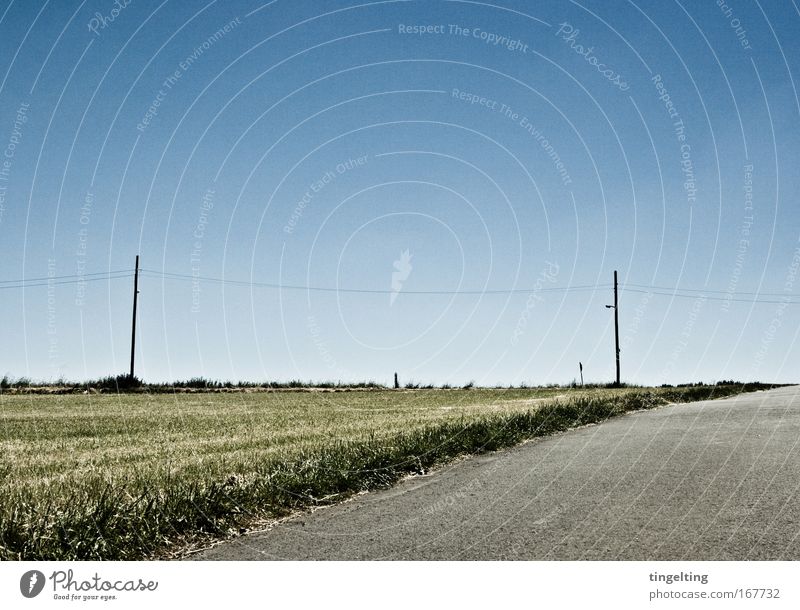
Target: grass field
<point>132,476</point>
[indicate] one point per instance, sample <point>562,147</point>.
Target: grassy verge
<point>113,511</point>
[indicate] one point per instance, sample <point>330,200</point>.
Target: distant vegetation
<point>123,383</point>
<point>132,476</point>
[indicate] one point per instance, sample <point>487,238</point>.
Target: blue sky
<point>516,152</point>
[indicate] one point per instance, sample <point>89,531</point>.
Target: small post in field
<point>133,323</point>
<point>580,365</point>
<point>396,382</point>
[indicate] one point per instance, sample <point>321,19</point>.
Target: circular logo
<point>31,583</point>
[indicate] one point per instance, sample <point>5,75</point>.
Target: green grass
<point>133,476</point>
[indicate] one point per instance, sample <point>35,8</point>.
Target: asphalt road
<point>709,480</point>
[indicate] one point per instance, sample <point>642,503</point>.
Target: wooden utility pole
<point>396,382</point>
<point>580,365</point>
<point>616,321</point>
<point>615,307</point>
<point>133,323</point>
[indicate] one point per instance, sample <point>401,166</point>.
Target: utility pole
<point>133,323</point>
<point>580,365</point>
<point>616,321</point>
<point>615,307</point>
<point>396,382</point>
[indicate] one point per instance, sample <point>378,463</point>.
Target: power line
<point>197,278</point>
<point>658,290</point>
<point>763,294</point>
<point>685,293</point>
<point>713,298</point>
<point>61,283</point>
<point>61,277</point>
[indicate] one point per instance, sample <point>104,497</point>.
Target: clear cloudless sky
<point>400,148</point>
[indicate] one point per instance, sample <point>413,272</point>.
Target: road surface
<point>709,480</point>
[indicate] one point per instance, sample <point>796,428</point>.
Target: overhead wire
<point>694,293</point>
